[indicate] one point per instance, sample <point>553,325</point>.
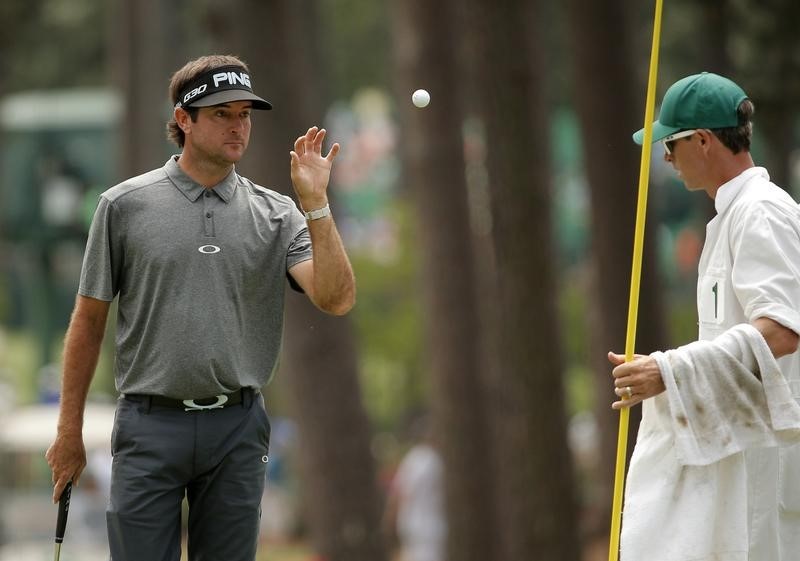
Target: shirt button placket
<point>208,214</point>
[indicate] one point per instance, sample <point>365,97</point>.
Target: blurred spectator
<point>415,515</point>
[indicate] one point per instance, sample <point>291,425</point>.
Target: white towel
<point>718,406</point>
<point>687,494</point>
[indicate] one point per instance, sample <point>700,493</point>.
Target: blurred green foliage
<point>574,335</point>
<point>19,359</point>
<point>52,44</point>
<point>389,323</point>
<point>351,29</point>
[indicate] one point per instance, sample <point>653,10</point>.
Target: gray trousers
<point>216,458</point>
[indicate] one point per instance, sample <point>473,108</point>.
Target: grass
<point>284,552</point>
<point>268,551</point>
<point>18,363</point>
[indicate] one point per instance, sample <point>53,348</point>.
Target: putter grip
<point>63,510</point>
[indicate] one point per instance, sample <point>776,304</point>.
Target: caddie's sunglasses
<point>668,140</point>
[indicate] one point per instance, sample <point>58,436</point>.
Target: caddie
<point>715,474</point>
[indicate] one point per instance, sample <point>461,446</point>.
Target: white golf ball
<point>421,98</point>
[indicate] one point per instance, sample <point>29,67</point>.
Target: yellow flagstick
<point>636,273</point>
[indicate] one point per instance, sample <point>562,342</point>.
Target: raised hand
<point>311,170</point>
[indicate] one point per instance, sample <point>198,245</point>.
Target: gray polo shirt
<point>200,275</point>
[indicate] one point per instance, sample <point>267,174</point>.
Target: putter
<point>61,523</point>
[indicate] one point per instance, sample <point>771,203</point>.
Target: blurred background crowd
<point>491,235</point>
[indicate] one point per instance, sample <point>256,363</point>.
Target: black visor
<point>220,85</point>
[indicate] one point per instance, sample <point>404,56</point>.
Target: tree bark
<point>771,77</point>
<point>716,16</point>
<point>343,506</point>
<point>536,506</point>
<point>139,52</point>
<point>608,98</point>
<point>433,150</point>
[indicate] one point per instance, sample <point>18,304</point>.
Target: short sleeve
<point>766,272</point>
<point>299,249</point>
<point>300,246</point>
<point>104,257</point>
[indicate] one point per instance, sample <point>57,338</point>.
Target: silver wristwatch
<point>318,213</point>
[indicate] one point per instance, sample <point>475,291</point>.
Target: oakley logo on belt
<point>209,249</point>
<point>192,406</point>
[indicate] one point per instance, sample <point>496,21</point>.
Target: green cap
<point>700,101</point>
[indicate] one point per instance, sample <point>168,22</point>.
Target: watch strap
<point>318,213</point>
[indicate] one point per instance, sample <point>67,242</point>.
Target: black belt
<point>215,402</point>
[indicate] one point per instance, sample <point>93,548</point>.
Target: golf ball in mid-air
<point>421,98</point>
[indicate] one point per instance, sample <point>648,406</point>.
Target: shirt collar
<point>728,192</point>
<point>193,190</point>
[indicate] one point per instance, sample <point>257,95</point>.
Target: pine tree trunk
<point>342,502</point>
<point>608,99</point>
<point>772,79</point>
<point>536,506</point>
<point>433,153</point>
<point>139,52</point>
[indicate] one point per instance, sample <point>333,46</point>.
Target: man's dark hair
<point>737,138</point>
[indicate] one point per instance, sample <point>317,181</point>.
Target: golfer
<point>715,474</point>
<point>197,257</point>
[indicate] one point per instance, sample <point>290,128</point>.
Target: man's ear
<point>183,120</point>
<point>704,135</point>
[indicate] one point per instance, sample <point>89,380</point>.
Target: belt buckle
<point>219,404</point>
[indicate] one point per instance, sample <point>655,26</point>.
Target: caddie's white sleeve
<point>766,257</point>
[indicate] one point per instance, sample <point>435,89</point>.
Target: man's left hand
<point>636,380</point>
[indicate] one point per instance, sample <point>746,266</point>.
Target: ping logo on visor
<point>220,85</point>
<point>232,78</point>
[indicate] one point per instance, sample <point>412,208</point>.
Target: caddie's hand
<point>636,380</point>
<point>311,170</point>
<point>67,458</point>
